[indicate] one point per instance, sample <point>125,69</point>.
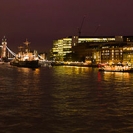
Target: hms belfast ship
<point>25,58</point>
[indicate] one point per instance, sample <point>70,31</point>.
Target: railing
<point>14,54</point>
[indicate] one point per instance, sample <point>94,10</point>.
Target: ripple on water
<point>65,99</point>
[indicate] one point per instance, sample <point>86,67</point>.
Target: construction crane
<point>96,29</point>
<point>80,28</point>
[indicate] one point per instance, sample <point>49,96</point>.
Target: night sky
<point>42,21</point>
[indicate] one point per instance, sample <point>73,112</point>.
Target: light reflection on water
<point>65,100</point>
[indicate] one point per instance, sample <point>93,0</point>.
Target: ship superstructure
<point>26,58</point>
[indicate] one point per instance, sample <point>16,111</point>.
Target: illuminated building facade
<point>94,50</point>
<point>61,47</point>
<point>120,50</point>
<point>128,52</point>
<point>64,46</point>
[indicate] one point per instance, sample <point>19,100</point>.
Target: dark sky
<point>42,21</point>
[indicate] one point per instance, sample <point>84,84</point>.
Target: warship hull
<point>28,64</point>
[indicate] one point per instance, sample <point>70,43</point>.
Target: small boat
<point>25,58</point>
<point>45,63</point>
<point>115,68</point>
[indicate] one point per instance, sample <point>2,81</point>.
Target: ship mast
<point>27,46</point>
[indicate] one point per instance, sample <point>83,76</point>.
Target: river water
<point>65,100</point>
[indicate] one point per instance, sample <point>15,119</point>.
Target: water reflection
<point>73,70</point>
<point>65,100</point>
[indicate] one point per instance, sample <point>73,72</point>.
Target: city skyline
<point>42,22</point>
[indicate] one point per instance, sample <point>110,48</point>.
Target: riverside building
<point>94,49</point>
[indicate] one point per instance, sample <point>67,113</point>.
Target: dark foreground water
<point>65,100</point>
